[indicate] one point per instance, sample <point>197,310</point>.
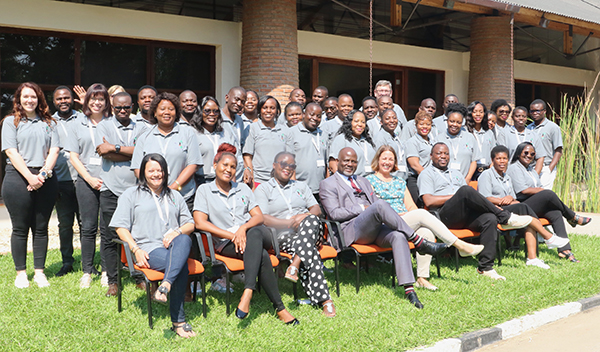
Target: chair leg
<point>456,257</point>
<point>194,288</point>
<point>337,277</point>
<point>437,264</point>
<point>357,272</point>
<point>499,250</point>
<point>149,299</point>
<point>227,294</point>
<point>203,283</point>
<point>119,284</point>
<point>393,274</point>
<point>295,290</point>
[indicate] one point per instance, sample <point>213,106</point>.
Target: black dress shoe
<point>431,248</point>
<point>64,270</point>
<point>293,322</point>
<point>412,298</point>
<point>240,314</point>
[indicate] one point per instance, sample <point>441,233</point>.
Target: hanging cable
<point>371,47</point>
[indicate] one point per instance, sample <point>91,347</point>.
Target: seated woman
<point>354,133</point>
<point>290,207</point>
<point>496,186</point>
<point>228,211</point>
<point>545,203</point>
<point>155,222</point>
<point>418,149</point>
<point>393,190</point>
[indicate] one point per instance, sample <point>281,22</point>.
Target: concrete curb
<point>473,340</point>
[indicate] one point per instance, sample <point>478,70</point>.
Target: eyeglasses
<point>532,154</point>
<point>209,111</point>
<point>537,111</point>
<point>284,165</point>
<point>99,100</point>
<point>503,112</point>
<point>125,107</point>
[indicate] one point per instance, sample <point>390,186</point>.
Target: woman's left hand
<point>169,238</point>
<point>239,240</point>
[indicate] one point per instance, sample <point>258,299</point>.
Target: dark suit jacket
<point>338,198</point>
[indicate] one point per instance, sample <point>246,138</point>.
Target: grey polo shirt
<point>375,127</point>
<point>462,148</point>
<point>237,126</point>
<point>82,140</point>
<point>209,142</point>
<point>501,133</point>
<point>63,169</point>
<point>117,175</point>
<point>401,116</point>
<point>330,128</point>
<point>385,138</point>
<point>179,148</point>
<point>310,149</point>
<point>550,137</point>
<point>226,212</point>
<point>284,202</point>
<point>523,178</point>
<point>439,183</point>
<point>263,143</point>
<point>512,138</point>
<point>33,139</point>
<point>143,124</point>
<point>416,146</point>
<point>137,212</point>
<point>364,152</point>
<point>491,184</point>
<point>485,141</point>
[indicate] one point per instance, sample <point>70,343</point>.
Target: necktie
<point>356,189</point>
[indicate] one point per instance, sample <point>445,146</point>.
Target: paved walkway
<point>577,333</point>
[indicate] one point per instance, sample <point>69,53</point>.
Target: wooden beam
<point>395,13</point>
<point>458,6</point>
<point>568,41</point>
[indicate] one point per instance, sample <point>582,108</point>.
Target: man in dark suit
<point>349,199</point>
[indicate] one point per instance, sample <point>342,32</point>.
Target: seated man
<point>349,199</point>
<point>461,206</point>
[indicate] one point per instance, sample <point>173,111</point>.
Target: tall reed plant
<point>578,171</point>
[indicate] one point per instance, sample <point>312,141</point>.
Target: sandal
<point>161,291</point>
<point>292,274</point>
<point>579,220</point>
<point>570,256</point>
<point>329,309</point>
<point>186,328</point>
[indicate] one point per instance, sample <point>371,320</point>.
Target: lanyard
<point>231,209</point>
<point>504,183</point>
<point>448,178</point>
<point>400,149</point>
<point>454,150</point>
<point>163,146</point>
<point>287,201</point>
<point>479,142</point>
<point>214,141</point>
<point>519,141</point>
<point>163,217</point>
<point>365,150</point>
<point>129,132</point>
<point>315,142</point>
<point>64,128</point>
<point>91,132</point>
<point>529,172</point>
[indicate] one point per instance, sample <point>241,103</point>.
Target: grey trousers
<point>380,224</point>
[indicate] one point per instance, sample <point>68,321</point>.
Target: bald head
<point>235,100</point>
<point>297,95</point>
<point>347,161</point>
<point>189,103</point>
<point>345,105</point>
<point>429,106</point>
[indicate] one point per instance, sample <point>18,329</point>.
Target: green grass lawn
<point>65,317</point>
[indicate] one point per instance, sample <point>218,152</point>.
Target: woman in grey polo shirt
<point>88,163</point>
<point>291,209</point>
<point>228,211</point>
<point>30,141</point>
<point>545,203</point>
<point>155,222</point>
<point>354,133</point>
<point>177,143</point>
<point>477,125</point>
<point>418,149</point>
<point>265,139</point>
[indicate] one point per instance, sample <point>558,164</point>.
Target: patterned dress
<point>392,192</point>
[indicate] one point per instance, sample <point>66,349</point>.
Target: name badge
<point>482,161</point>
<point>368,168</point>
<point>95,161</point>
<point>320,163</point>
<point>402,168</point>
<point>455,166</point>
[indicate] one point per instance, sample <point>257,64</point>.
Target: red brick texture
<point>491,64</point>
<point>269,62</point>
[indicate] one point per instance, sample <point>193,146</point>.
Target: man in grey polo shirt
<point>460,206</point>
<point>331,127</point>
<point>232,119</point>
<point>551,141</point>
<point>115,141</point>
<point>309,144</point>
<point>66,202</point>
<point>384,103</point>
<point>330,109</point>
<point>189,106</point>
<point>145,96</point>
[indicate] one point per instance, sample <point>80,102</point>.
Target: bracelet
<point>135,249</point>
<point>247,168</point>
<point>178,185</point>
<point>179,232</point>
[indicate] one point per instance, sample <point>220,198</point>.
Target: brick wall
<point>269,62</point>
<point>491,64</point>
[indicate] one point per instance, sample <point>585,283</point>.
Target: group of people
<point>248,168</point>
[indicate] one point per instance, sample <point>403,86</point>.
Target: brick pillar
<point>269,62</point>
<point>491,73</point>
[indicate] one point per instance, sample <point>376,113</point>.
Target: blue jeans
<point>173,262</point>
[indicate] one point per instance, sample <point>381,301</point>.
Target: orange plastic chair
<point>231,265</point>
<point>196,271</point>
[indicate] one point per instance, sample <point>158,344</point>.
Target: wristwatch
<point>46,174</point>
<point>117,148</point>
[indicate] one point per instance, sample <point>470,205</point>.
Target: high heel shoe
<point>293,322</point>
<point>575,221</point>
<point>240,314</point>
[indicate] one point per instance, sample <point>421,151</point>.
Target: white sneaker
<point>22,281</point>
<point>85,281</point>
<point>537,262</point>
<point>104,279</point>
<point>517,222</point>
<point>556,242</point>
<point>41,280</point>
<point>492,274</point>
